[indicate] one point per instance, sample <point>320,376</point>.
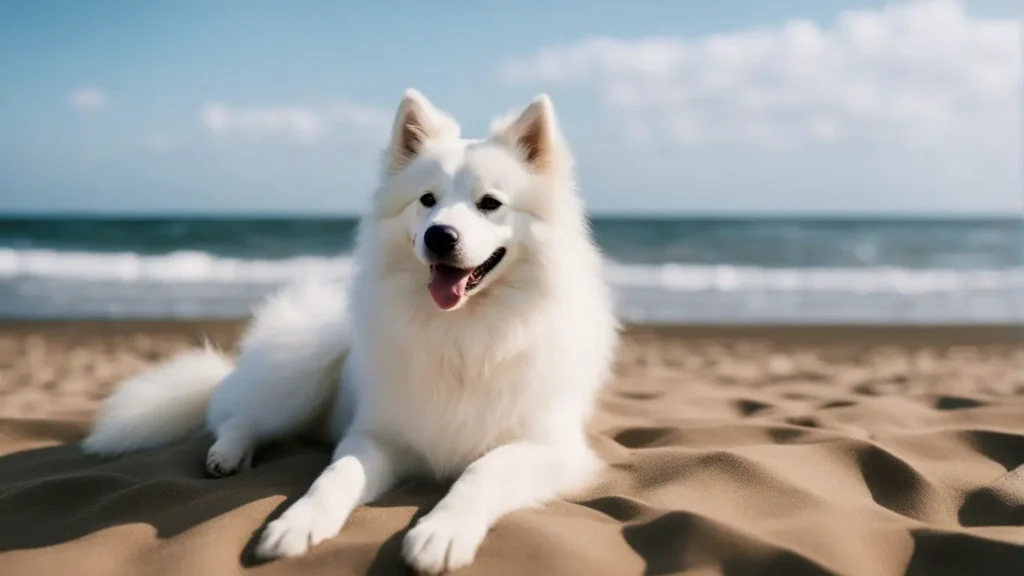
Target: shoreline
<point>839,333</point>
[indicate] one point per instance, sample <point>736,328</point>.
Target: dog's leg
<point>362,470</point>
<point>233,450</point>
<point>288,368</point>
<point>508,478</point>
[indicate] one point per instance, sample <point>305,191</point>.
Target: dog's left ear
<point>535,134</point>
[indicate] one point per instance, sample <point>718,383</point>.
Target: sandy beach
<point>749,450</point>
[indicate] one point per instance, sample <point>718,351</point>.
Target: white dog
<point>476,336</point>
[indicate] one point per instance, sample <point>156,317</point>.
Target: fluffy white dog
<point>472,344</point>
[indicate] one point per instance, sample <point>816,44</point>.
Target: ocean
<point>718,271</point>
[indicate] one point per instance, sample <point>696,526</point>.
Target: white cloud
<point>303,124</point>
<point>352,114</point>
<point>299,123</point>
<point>923,71</point>
<point>88,97</point>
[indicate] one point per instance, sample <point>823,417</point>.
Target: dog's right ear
<point>416,123</point>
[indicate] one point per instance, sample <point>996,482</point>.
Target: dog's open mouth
<point>449,285</point>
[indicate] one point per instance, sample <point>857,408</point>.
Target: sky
<point>738,107</point>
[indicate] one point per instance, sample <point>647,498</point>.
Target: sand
<point>735,451</point>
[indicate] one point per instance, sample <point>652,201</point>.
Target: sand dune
<point>731,451</point>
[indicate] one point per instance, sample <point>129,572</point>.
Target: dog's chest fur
<point>450,387</point>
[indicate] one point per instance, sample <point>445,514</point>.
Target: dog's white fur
<point>493,393</point>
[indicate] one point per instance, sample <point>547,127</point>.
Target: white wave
<point>203,268</point>
<point>867,280</point>
<point>176,267</point>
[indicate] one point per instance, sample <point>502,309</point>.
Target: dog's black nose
<point>440,240</point>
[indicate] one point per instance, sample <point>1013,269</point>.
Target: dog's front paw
<point>301,527</point>
<point>442,541</point>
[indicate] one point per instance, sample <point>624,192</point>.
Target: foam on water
<point>865,280</point>
<point>176,267</point>
<point>54,283</point>
<point>201,267</point>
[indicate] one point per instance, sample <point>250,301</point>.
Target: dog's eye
<point>428,200</point>
<point>488,204</point>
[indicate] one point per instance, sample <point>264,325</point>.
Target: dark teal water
<point>711,270</point>
<point>983,244</point>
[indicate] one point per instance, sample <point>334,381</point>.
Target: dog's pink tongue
<point>447,285</point>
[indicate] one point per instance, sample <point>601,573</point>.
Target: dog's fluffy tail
<point>165,404</point>
<point>289,358</point>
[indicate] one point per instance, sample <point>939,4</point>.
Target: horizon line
<point>595,214</point>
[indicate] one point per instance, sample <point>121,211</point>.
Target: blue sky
<point>746,106</point>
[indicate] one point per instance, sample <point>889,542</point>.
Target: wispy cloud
<point>88,97</point>
<point>352,114</point>
<point>919,71</point>
<point>299,124</point>
<point>161,142</point>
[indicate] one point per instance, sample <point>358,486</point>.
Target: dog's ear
<point>416,122</point>
<point>535,134</point>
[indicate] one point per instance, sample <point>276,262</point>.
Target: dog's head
<point>465,210</point>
